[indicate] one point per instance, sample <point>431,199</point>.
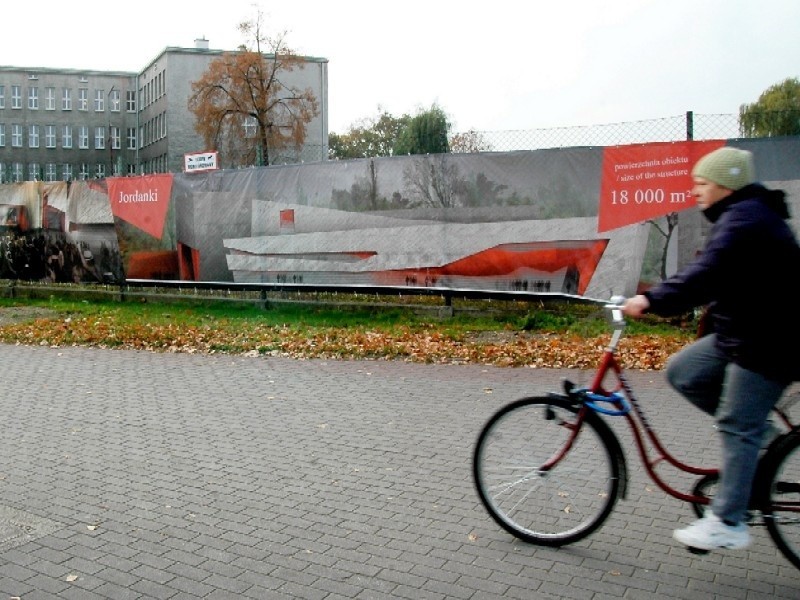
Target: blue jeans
<point>741,401</point>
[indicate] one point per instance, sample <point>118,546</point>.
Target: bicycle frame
<point>511,490</point>
<point>637,419</point>
<point>633,413</point>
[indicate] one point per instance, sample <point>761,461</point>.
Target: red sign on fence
<point>647,181</point>
<point>141,201</point>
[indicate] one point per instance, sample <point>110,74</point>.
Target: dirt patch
<point>10,315</point>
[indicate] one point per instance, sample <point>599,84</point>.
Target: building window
<point>114,100</point>
<point>84,171</point>
<point>116,142</point>
<point>66,172</point>
<point>249,127</point>
<point>33,172</point>
<point>50,172</point>
<point>131,138</point>
<point>83,137</point>
<point>2,135</point>
<point>33,98</point>
<point>33,136</point>
<point>66,137</point>
<point>16,172</point>
<point>66,99</point>
<point>130,100</point>
<point>2,96</point>
<point>50,98</point>
<point>100,170</point>
<point>99,100</point>
<point>16,136</point>
<point>99,138</point>
<point>16,96</point>
<point>83,99</point>
<point>50,136</point>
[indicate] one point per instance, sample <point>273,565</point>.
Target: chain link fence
<point>668,129</point>
<point>689,126</point>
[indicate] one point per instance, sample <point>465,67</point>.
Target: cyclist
<point>739,370</point>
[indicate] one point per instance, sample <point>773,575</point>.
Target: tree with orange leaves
<point>242,105</point>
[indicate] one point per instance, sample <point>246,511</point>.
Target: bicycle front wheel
<point>535,484</point>
<point>781,508</point>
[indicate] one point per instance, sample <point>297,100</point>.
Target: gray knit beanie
<point>728,167</point>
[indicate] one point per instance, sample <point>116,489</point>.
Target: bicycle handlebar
<point>614,306</point>
<point>617,300</point>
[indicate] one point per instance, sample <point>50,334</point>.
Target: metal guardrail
<point>264,295</point>
<point>447,294</point>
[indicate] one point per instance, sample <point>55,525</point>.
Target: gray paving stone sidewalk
<point>138,475</point>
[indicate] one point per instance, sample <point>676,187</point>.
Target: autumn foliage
<point>419,343</point>
<point>245,106</point>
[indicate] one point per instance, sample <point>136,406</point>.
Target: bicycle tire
<point>706,487</point>
<point>781,504</point>
<point>564,504</point>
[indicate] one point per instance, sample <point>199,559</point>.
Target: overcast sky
<point>492,65</point>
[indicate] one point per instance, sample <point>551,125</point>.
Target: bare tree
<point>671,221</point>
<point>432,181</point>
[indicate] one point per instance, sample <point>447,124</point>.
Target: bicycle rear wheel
<point>547,506</point>
<point>781,508</point>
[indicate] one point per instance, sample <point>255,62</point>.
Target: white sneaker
<point>710,533</point>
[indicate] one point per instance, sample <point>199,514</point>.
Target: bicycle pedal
<point>694,550</point>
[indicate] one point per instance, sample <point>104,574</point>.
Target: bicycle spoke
<point>553,505</point>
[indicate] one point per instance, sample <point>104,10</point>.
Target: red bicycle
<point>549,469</point>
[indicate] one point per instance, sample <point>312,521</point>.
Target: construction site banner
<point>520,221</point>
<point>145,225</point>
<point>645,182</point>
<point>589,221</point>
<point>59,232</point>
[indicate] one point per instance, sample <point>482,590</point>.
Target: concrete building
<point>67,124</point>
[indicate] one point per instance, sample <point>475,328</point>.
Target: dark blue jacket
<point>747,274</point>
